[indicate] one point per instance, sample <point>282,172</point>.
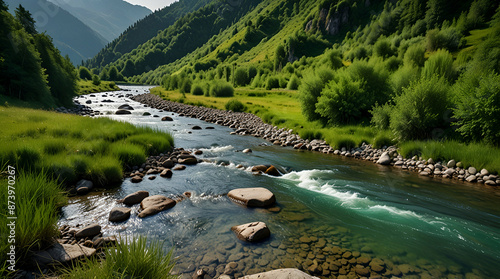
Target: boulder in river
<point>136,179</point>
<point>119,214</point>
<point>272,170</point>
<point>261,168</point>
<point>167,118</point>
<point>253,197</point>
<point>167,173</point>
<point>252,232</point>
<point>89,231</point>
<point>84,186</point>
<point>191,160</point>
<point>135,198</point>
<point>154,204</point>
<point>126,107</point>
<point>122,111</point>
<point>285,273</point>
<point>196,128</point>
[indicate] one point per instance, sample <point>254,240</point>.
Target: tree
<point>113,73</point>
<point>279,58</point>
<point>3,6</point>
<point>26,20</point>
<point>84,73</point>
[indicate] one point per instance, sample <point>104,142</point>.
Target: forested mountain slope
<point>71,36</point>
<point>109,18</point>
<point>143,30</point>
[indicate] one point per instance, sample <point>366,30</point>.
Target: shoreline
<point>249,124</point>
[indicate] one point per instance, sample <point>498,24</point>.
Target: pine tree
<point>24,16</point>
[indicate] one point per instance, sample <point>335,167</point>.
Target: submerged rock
<point>253,197</point>
<point>285,273</point>
<point>252,232</point>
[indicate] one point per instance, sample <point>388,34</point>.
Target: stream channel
<point>327,205</point>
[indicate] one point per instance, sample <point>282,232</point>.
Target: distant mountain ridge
<point>144,29</point>
<point>109,18</point>
<point>71,36</point>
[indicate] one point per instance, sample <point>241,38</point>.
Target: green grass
<point>474,154</point>
<point>71,147</point>
<point>37,201</point>
<point>133,258</point>
<point>87,87</point>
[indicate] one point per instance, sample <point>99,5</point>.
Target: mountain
<point>109,18</point>
<point>143,30</point>
<point>71,36</point>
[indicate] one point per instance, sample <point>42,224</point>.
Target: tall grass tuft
<point>128,153</point>
<point>133,258</point>
<point>106,171</point>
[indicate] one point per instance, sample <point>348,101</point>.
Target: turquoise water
<point>423,227</point>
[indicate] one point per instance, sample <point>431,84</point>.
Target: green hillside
<point>419,69</point>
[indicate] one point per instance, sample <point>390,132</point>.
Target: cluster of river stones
<point>250,124</point>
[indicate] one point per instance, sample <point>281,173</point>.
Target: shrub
<point>186,85</point>
<point>221,89</point>
<point>448,38</point>
<point>381,141</point>
<point>272,82</point>
<point>414,56</point>
<point>439,64</point>
<point>197,90</point>
<point>97,81</point>
<point>420,109</point>
<point>84,73</point>
<point>478,107</point>
<point>403,77</point>
<point>241,77</point>
<point>383,48</point>
<point>309,92</point>
<point>342,101</point>
<point>381,116</point>
<point>235,105</point>
<point>293,83</point>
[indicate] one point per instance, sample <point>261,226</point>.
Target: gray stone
<point>485,172</point>
<point>248,150</point>
<point>168,164</point>
<point>384,159</point>
<point>189,161</point>
<point>62,253</point>
<point>135,198</point>
<point>119,214</point>
<point>430,161</point>
<point>84,186</point>
<point>471,178</point>
<point>472,170</point>
<point>285,273</point>
<point>252,232</point>
<point>451,164</point>
<point>253,197</point>
<point>89,231</point>
<point>490,183</point>
<point>154,204</point>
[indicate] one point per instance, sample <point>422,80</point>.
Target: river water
<point>418,227</point>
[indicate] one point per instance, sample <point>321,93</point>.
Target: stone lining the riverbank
<point>250,124</point>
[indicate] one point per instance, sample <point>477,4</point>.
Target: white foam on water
<point>217,149</point>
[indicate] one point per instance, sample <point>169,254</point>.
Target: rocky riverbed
<point>249,124</point>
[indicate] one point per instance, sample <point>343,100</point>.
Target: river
<point>417,227</point>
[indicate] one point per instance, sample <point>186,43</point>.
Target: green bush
<point>381,141</point>
<point>342,101</point>
<point>381,116</point>
<point>439,64</point>
<point>97,81</point>
<point>235,105</point>
<point>197,90</point>
<point>272,82</point>
<point>293,83</point>
<point>448,38</point>
<point>477,101</point>
<point>220,88</point>
<point>420,109</point>
<point>241,77</point>
<point>414,56</point>
<point>186,85</point>
<point>383,48</point>
<point>84,73</point>
<point>309,92</point>
<point>403,77</point>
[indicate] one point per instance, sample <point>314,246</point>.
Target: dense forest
<point>423,69</point>
<point>31,68</point>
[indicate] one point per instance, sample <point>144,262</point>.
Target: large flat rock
<point>253,197</point>
<point>285,273</point>
<point>63,253</point>
<point>135,198</point>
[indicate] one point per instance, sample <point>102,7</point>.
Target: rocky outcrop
<point>154,204</point>
<point>253,197</point>
<point>252,232</point>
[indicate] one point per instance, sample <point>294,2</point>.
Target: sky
<point>152,4</point>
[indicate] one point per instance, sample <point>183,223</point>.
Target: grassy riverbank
<point>282,108</point>
<point>87,87</point>
<point>50,150</point>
